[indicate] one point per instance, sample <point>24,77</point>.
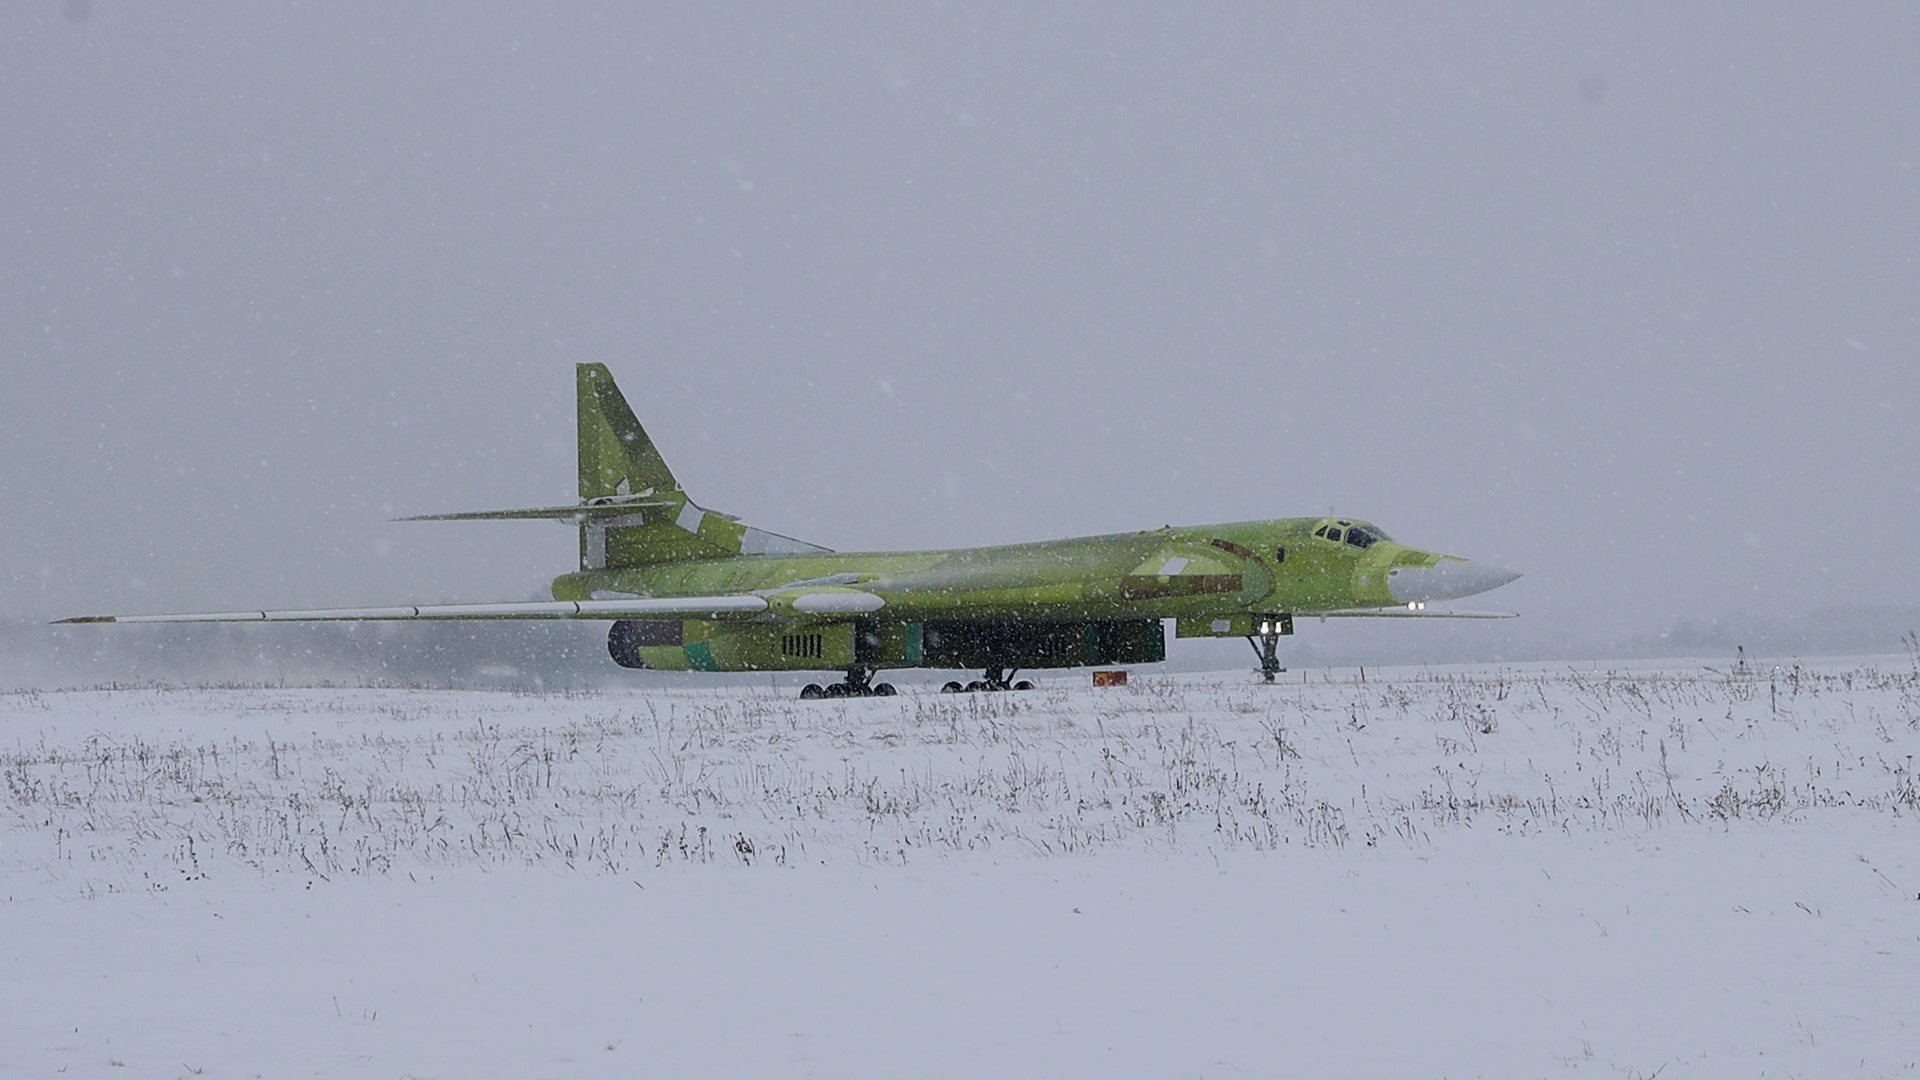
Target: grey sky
<point>1624,296</point>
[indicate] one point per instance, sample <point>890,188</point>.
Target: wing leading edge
<point>688,607</point>
<point>1420,612</point>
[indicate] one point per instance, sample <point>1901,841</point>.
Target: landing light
<point>1416,605</point>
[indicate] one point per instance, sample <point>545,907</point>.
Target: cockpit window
<point>1360,534</point>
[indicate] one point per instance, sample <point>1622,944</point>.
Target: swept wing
<point>1408,613</point>
<point>684,607</point>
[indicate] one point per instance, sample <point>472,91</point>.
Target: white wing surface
<point>645,607</point>
<point>1407,612</point>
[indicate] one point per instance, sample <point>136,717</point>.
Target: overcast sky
<point>1622,295</point>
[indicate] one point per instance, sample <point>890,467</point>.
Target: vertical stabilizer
<point>642,516</point>
<point>616,456</point>
<point>632,511</point>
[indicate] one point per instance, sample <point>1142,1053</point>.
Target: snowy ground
<point>1644,870</point>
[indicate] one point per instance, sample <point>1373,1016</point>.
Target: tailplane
<point>632,512</point>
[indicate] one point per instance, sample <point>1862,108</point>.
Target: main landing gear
<point>859,683</point>
<point>1266,643</point>
<point>994,679</point>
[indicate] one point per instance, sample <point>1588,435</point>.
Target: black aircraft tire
<point>952,688</point>
<point>976,686</point>
<point>1023,685</point>
<point>884,689</point>
<point>811,692</point>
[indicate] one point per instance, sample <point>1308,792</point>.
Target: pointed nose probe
<point>1450,580</point>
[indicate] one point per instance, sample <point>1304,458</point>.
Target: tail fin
<point>632,511</point>
<point>616,457</point>
<point>621,468</point>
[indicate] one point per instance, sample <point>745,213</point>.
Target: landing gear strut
<point>858,683</point>
<point>1266,643</point>
<point>994,679</point>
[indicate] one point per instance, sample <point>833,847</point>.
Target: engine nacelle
<point>627,637</point>
<point>700,645</point>
<point>1036,644</point>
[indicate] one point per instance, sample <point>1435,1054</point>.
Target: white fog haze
<point>1621,296</point>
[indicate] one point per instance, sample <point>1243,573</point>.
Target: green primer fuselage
<point>1216,580</point>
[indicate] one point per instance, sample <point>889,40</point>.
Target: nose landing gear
<point>1266,643</point>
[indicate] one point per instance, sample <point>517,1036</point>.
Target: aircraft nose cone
<point>1450,580</point>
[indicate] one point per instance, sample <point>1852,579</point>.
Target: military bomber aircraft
<point>687,588</point>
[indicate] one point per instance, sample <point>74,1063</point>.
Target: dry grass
<point>387,781</point>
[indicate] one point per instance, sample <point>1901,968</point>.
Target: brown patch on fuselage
<point>1146,587</point>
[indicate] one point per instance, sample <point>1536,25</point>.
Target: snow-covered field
<point>1655,869</point>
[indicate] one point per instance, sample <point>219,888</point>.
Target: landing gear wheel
<point>884,689</point>
<point>858,683</point>
<point>976,686</point>
<point>1023,685</point>
<point>952,688</point>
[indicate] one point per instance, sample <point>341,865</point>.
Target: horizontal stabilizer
<point>643,607</point>
<point>1411,613</point>
<point>576,514</point>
